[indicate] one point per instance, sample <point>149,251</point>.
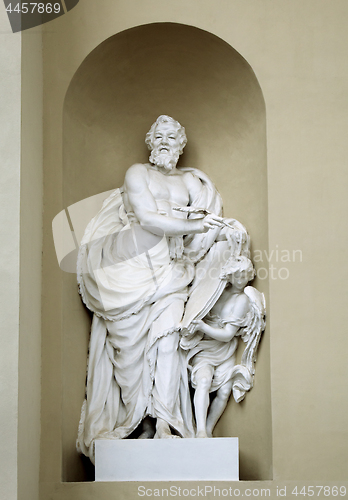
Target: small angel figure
<point>239,312</point>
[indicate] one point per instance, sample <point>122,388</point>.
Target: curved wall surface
<point>114,97</point>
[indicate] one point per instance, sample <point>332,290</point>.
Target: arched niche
<point>115,95</point>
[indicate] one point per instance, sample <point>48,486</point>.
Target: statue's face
<point>166,139</point>
<point>166,146</point>
<point>239,279</point>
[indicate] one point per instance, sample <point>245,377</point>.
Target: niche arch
<point>115,95</point>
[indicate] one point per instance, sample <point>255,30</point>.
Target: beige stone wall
<point>31,193</point>
<point>10,95</point>
<point>21,251</point>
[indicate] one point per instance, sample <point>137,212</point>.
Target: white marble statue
<point>239,312</point>
<point>154,237</point>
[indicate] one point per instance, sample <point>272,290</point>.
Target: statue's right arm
<point>224,334</point>
<point>145,208</point>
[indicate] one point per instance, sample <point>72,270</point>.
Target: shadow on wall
<point>114,97</point>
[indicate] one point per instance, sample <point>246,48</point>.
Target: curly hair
<point>240,263</point>
<point>166,119</point>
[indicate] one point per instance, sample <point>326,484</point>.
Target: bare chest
<point>170,188</point>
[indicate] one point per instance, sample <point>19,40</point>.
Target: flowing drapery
<point>137,293</point>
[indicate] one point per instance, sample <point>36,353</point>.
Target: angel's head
<point>239,272</point>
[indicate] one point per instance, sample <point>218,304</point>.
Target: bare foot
<point>163,430</point>
<point>146,435</point>
<point>148,430</point>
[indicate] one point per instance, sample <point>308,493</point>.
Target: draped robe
<point>137,293</point>
<point>216,353</point>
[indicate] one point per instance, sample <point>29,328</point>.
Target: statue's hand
<point>211,221</point>
<point>198,325</point>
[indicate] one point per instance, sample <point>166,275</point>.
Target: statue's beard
<point>166,160</point>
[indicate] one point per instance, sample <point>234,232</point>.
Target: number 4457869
<point>326,491</point>
<point>31,7</point>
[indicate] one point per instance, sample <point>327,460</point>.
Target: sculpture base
<point>213,459</point>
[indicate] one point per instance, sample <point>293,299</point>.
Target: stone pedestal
<point>167,460</point>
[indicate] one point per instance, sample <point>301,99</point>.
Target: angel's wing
<point>256,325</point>
<point>243,374</point>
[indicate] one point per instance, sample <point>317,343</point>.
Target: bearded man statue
<point>136,262</point>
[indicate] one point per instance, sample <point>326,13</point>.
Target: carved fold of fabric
<point>126,285</point>
<point>220,355</point>
<point>111,412</point>
<point>196,246</point>
<point>110,220</point>
<point>211,352</point>
<point>100,408</point>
